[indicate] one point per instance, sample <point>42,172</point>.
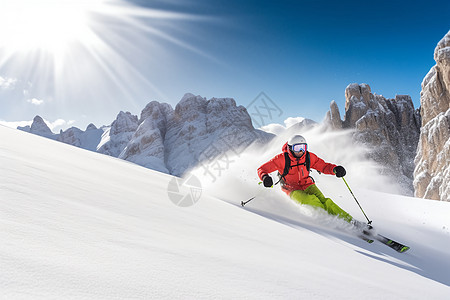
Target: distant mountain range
<point>166,139</point>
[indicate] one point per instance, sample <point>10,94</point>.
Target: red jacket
<point>298,176</point>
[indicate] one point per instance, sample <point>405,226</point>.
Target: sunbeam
<point>87,50</point>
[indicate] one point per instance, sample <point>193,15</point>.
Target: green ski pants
<point>314,197</point>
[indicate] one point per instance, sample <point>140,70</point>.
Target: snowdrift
<point>80,225</point>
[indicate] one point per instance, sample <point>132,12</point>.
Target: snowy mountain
<point>88,139</point>
<point>146,146</point>
<point>201,130</point>
<point>117,136</point>
<point>39,127</point>
<point>389,127</point>
<point>80,225</point>
<point>432,173</point>
<point>166,139</point>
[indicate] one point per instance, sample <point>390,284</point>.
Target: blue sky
<point>123,54</point>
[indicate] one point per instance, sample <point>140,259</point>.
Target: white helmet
<point>296,139</point>
<point>297,145</point>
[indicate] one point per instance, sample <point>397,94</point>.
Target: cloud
<point>15,124</point>
<point>59,123</point>
<point>52,125</point>
<point>278,129</point>
<point>35,101</point>
<point>7,83</point>
<point>292,121</point>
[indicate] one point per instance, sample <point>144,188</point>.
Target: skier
<point>293,166</point>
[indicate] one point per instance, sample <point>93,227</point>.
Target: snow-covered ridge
<point>80,225</point>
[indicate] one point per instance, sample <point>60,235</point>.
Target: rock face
<point>146,146</point>
<point>432,173</point>
<point>88,139</point>
<point>116,138</point>
<point>389,127</point>
<point>333,116</point>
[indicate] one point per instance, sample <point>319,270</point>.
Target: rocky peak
<point>432,172</point>
<point>357,93</point>
<point>71,136</point>
<point>190,108</point>
<point>389,127</point>
<point>187,96</point>
<point>223,112</point>
<point>146,146</point>
<point>116,138</point>
<point>442,50</point>
<point>333,117</point>
<point>91,127</point>
<point>39,127</point>
<point>358,100</point>
<point>158,114</point>
<point>156,111</point>
<point>125,122</point>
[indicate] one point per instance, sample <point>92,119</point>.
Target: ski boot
<point>364,228</point>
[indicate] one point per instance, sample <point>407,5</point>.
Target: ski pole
<point>369,222</point>
<point>245,202</point>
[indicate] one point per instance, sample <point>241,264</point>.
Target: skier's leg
<point>305,198</point>
<point>334,209</point>
<point>328,204</point>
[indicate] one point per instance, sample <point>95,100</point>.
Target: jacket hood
<point>285,148</point>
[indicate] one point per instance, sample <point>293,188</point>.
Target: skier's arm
<point>270,166</point>
<point>320,165</point>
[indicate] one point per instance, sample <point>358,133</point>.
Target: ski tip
<point>403,249</point>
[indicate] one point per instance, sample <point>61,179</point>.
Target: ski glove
<point>267,181</point>
<point>339,171</point>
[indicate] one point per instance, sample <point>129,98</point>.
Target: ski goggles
<point>299,147</point>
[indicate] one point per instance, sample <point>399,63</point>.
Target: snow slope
<point>80,225</point>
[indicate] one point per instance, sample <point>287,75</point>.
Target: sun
<point>49,25</point>
<point>79,53</point>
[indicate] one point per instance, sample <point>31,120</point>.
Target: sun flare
<point>50,25</point>
<point>68,52</point>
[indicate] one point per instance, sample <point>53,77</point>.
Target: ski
<point>391,243</point>
<point>365,238</point>
<point>368,234</point>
